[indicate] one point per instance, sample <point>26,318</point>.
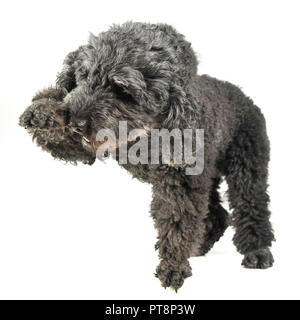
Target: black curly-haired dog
<point>147,75</point>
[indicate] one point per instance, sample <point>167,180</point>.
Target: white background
<point>84,232</point>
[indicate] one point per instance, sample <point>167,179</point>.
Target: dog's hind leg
<point>246,169</point>
<point>216,222</point>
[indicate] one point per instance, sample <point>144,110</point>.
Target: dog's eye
<point>79,126</point>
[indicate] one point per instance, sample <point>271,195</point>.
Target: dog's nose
<point>25,119</point>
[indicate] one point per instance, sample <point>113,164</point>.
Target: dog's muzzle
<point>87,144</point>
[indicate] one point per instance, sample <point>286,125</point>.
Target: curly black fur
<point>147,74</point>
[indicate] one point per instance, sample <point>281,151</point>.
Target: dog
<point>146,75</point>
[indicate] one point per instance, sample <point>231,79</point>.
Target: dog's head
<point>137,73</point>
<point>124,97</point>
<point>143,83</point>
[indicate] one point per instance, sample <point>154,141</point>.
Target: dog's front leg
<point>179,226</point>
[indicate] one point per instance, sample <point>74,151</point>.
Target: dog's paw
<point>171,276</point>
<point>259,259</point>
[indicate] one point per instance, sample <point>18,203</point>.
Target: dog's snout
<point>25,119</point>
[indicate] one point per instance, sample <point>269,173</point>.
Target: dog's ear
<point>178,109</point>
<point>129,83</point>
